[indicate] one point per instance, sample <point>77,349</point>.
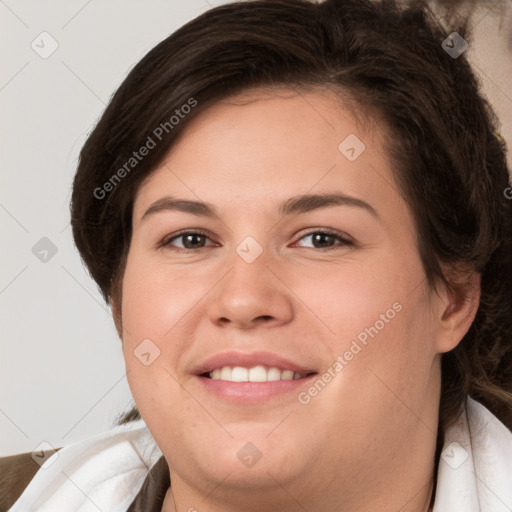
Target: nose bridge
<point>250,266</point>
<point>250,292</point>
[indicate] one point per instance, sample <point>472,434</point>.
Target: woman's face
<point>332,288</point>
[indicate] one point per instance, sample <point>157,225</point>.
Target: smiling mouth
<point>257,373</point>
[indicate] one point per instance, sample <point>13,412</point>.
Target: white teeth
<point>239,374</point>
<point>258,374</point>
<point>225,373</point>
<point>255,374</point>
<point>287,375</point>
<point>273,374</point>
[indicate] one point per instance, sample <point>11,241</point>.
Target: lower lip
<point>253,392</point>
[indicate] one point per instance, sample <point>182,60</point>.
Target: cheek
<point>155,298</point>
<point>358,295</point>
<point>380,320</point>
<point>158,309</point>
<point>391,354</point>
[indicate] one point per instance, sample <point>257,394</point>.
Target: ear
<point>458,306</point>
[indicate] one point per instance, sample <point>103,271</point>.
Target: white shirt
<point>107,471</point>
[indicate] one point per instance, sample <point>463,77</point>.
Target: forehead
<point>268,143</point>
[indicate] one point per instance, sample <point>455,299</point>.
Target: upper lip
<point>248,360</point>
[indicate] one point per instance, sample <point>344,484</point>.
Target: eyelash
<point>345,241</point>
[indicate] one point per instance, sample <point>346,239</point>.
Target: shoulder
<point>16,472</point>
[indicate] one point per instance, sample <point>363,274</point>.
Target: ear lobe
<point>460,305</point>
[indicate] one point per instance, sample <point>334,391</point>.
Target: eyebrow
<point>294,205</point>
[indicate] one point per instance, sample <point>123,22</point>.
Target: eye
<point>322,239</point>
<point>190,240</point>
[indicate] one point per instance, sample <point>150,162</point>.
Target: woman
<point>298,214</point>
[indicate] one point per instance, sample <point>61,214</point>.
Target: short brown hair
<point>449,161</point>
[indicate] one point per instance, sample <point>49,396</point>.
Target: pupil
<point>191,237</point>
<point>318,236</point>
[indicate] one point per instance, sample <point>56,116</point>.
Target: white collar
<point>104,472</point>
<point>475,469</point>
<point>107,471</point>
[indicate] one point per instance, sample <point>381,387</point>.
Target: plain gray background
<point>61,366</point>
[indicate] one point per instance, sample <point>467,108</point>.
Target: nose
<point>250,295</point>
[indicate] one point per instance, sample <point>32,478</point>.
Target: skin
<point>367,440</point>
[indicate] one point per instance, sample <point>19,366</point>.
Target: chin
<point>251,458</point>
